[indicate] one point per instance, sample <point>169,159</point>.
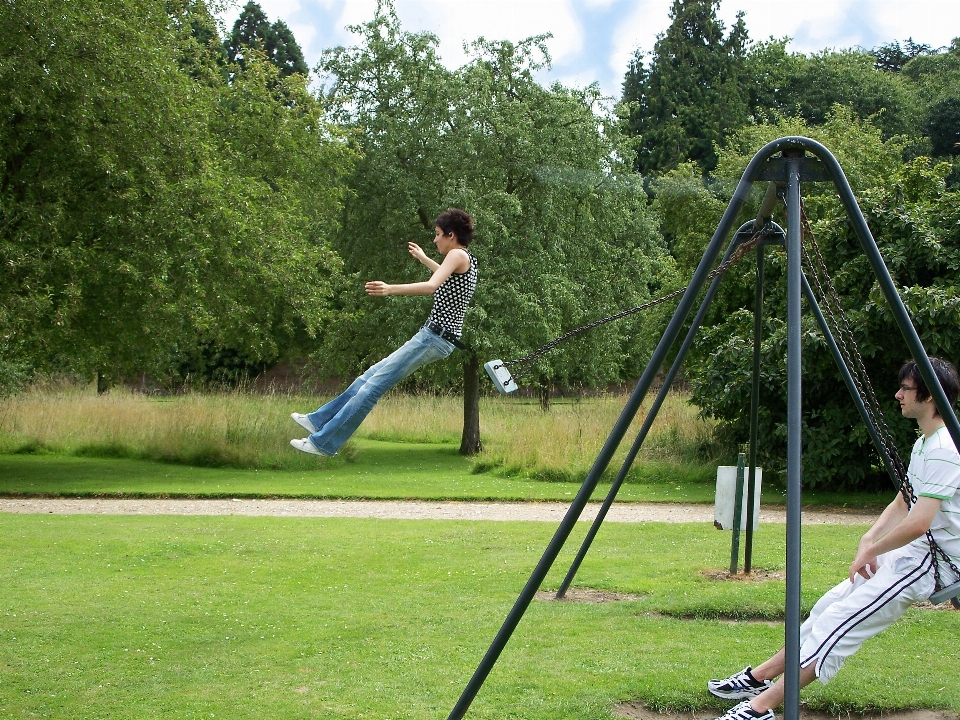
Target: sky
<point>593,40</point>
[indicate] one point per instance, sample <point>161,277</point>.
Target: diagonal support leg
<point>648,421</point>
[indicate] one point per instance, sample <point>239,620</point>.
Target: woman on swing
<point>452,284</point>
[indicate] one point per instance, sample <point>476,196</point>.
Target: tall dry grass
<point>209,429</point>
<point>562,443</point>
<point>238,429</point>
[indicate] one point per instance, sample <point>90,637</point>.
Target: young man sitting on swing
<point>894,567</point>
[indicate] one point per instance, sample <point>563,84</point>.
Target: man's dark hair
<point>456,221</point>
<point>946,373</point>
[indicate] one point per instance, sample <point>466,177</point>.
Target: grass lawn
<point>384,470</point>
<point>379,470</point>
<point>232,617</point>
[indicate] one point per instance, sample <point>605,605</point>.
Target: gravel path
<point>409,510</point>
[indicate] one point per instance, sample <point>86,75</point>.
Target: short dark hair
<point>456,221</point>
<point>945,371</point>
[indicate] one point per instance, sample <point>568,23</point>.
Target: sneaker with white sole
<point>741,686</point>
<point>304,445</point>
<point>304,422</point>
<point>743,711</point>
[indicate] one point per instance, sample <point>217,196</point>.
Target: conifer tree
<point>691,95</point>
<point>253,30</point>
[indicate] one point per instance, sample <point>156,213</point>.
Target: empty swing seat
<point>501,376</point>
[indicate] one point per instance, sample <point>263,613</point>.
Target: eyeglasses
<point>906,388</point>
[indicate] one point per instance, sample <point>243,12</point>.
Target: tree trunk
<point>102,384</point>
<point>544,391</point>
<point>470,442</point>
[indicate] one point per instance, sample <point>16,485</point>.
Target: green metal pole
<point>737,514</point>
<point>791,675</point>
<point>754,410</point>
<point>648,421</point>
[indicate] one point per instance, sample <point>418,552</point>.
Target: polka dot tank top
<point>452,297</point>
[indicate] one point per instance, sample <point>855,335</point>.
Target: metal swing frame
<point>785,162</point>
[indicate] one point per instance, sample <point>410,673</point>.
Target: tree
<point>146,207</point>
<point>284,52</point>
<point>691,96</point>
<point>202,53</point>
<point>892,57</point>
<point>253,31</point>
<point>561,225</point>
<point>785,83</point>
<point>936,76</point>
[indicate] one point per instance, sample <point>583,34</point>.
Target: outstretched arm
<point>456,260</point>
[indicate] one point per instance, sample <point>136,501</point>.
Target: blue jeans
<point>338,419</point>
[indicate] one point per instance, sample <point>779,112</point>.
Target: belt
<point>438,329</point>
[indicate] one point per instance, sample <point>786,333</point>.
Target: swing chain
<point>525,363</point>
<point>830,300</point>
<point>843,333</point>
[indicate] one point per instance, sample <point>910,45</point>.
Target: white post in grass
<point>729,490</point>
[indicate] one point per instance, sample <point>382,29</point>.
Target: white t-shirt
<point>935,472</point>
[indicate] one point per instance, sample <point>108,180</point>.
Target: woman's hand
<point>376,287</point>
<point>416,251</point>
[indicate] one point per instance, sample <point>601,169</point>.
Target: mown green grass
<point>380,470</point>
<point>187,617</point>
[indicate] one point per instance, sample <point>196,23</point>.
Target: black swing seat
<point>951,591</point>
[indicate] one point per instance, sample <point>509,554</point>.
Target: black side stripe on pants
<point>865,612</point>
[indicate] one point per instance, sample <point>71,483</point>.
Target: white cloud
<point>594,40</point>
<point>276,9</point>
<point>763,19</point>
<point>816,25</point>
<point>355,12</point>
<point>933,22</point>
<point>459,21</point>
<point>638,30</point>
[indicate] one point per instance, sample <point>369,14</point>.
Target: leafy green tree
<point>692,95</point>
<point>563,234</point>
<point>892,57</point>
<point>937,79</point>
<point>147,207</point>
<point>90,157</point>
<point>582,245</point>
<point>285,52</point>
<point>689,209</point>
<point>267,227</point>
<point>913,217</point>
<point>943,126</point>
<point>768,74</point>
<point>253,32</point>
<point>782,83</point>
<point>202,53</point>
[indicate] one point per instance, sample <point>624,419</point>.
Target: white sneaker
<point>743,711</point>
<point>740,686</point>
<point>304,422</point>
<point>304,445</point>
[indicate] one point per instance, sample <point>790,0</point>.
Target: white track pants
<point>851,613</point>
